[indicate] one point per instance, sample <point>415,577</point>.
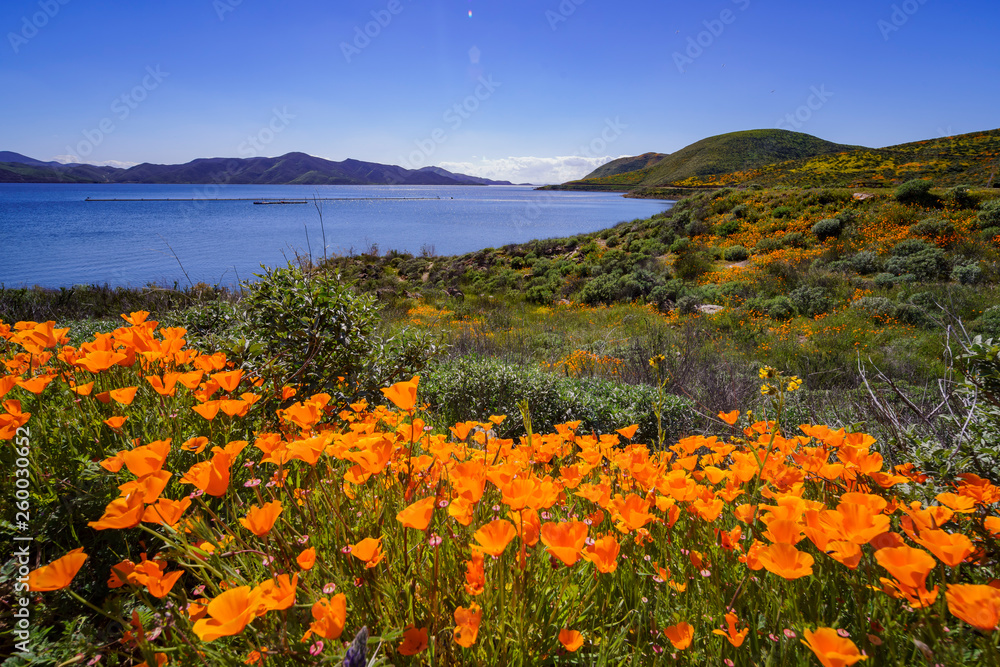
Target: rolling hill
<point>290,169</point>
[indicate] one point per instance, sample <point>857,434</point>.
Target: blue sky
<point>539,91</point>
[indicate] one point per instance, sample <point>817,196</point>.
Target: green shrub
<point>916,192</point>
<point>810,301</point>
<point>737,253</point>
<point>768,244</point>
<point>933,228</point>
<point>916,256</point>
<point>691,265</point>
<point>728,228</point>
<point>827,229</point>
<point>779,308</point>
<point>688,305</point>
<point>877,306</point>
<point>989,214</point>
<point>680,245</point>
<point>988,323</point>
<point>886,281</point>
<point>967,274</point>
<point>783,212</point>
<point>739,212</point>
<point>960,197</point>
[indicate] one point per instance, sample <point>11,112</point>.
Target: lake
<point>52,237</point>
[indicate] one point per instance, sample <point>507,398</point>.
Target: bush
<point>768,244</point>
<point>688,305</point>
<point>989,214</point>
<point>922,260</point>
<point>310,329</point>
<point>783,212</point>
<point>877,306</point>
<point>810,301</point>
<point>779,308</point>
<point>916,192</point>
<point>967,274</point>
<point>960,197</point>
<point>736,253</point>
<point>988,323</point>
<point>865,262</point>
<point>827,229</point>
<point>690,265</point>
<point>728,228</point>
<point>933,228</point>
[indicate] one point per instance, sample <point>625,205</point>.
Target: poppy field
<point>234,521</point>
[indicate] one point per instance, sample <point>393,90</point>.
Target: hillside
<point>624,165</point>
<point>721,154</point>
<point>290,169</point>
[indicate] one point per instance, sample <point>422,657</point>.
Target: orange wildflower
<point>403,394</point>
<point>229,614</point>
<point>148,459</point>
<point>729,417</point>
<point>368,550</point>
<point>329,616</point>
<point>565,540</point>
<point>977,605</point>
<point>786,561</point>
<point>494,537</point>
<point>603,553</point>
<point>475,577</point>
<point>734,636</point>
<point>306,559</point>
<point>832,649</point>
<point>115,422</point>
<point>908,565</point>
<point>277,594</point>
<point>950,548</point>
<point>260,520</point>
<point>467,622</point>
<point>121,513</point>
<point>418,515</point>
<point>58,574</point>
<point>680,635</point>
<point>212,476</point>
<point>571,640</point>
<point>166,512</point>
<point>125,395</point>
<point>414,639</point>
<point>196,445</point>
<point>228,380</point>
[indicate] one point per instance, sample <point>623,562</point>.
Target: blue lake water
<point>52,237</point>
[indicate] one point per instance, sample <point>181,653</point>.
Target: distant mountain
<point>623,165</point>
<point>290,169</point>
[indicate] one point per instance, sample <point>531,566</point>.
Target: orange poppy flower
<point>832,649</point>
<point>125,395</point>
<point>115,422</point>
<point>467,622</point>
<point>368,550</point>
<point>475,577</point>
<point>147,459</point>
<point>121,513</point>
<point>418,515</point>
<point>229,614</point>
<point>845,552</point>
<point>208,409</point>
<point>329,616</point>
<point>166,512</point>
<point>734,636</point>
<point>212,476</point>
<point>196,445</point>
<point>36,385</point>
<point>529,532</point>
<point>908,565</point>
<point>58,574</point>
<point>260,520</point>
<point>571,640</point>
<point>277,594</point>
<point>151,575</point>
<point>462,510</point>
<point>97,361</point>
<point>165,386</point>
<point>729,417</point>
<point>494,537</point>
<point>565,540</point>
<point>786,561</point>
<point>977,605</point>
<point>80,390</point>
<point>403,394</point>
<point>603,553</point>
<point>628,432</point>
<point>680,635</point>
<point>950,548</point>
<point>414,639</point>
<point>149,486</point>
<point>306,559</point>
<point>228,380</point>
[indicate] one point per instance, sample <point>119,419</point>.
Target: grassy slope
<point>625,165</point>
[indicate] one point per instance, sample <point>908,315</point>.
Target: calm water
<point>51,236</point>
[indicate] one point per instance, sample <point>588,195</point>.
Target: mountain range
<point>772,158</point>
<point>290,169</point>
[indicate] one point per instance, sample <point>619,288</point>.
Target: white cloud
<point>534,170</point>
<point>73,159</point>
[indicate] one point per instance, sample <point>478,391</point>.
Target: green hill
<point>624,165</point>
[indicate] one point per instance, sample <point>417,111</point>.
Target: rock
<point>861,196</point>
<point>710,309</point>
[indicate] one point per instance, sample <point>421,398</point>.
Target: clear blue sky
<point>242,77</point>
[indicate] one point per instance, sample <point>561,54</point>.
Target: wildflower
<point>306,559</point>
<point>277,594</point>
<point>229,614</point>
<point>734,636</point>
<point>358,650</point>
<point>950,548</point>
<point>368,550</point>
<point>494,537</point>
<point>403,394</point>
<point>831,649</point>
<point>570,639</point>
<point>329,616</point>
<point>467,624</point>
<point>260,520</point>
<point>680,635</point>
<point>565,540</point>
<point>729,417</point>
<point>603,554</point>
<point>121,513</point>
<point>414,640</point>
<point>58,574</point>
<point>977,605</point>
<point>418,515</point>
